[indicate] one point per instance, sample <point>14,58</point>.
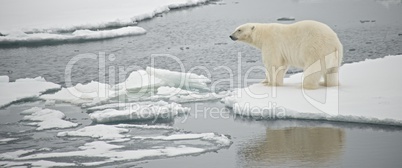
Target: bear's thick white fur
<point>310,45</point>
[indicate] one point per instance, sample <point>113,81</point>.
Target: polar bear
<point>310,45</point>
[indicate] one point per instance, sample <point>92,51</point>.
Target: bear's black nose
<point>233,38</point>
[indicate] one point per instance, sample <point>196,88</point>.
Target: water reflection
<point>307,146</point>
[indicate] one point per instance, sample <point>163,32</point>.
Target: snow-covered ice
<point>48,20</point>
<point>140,82</point>
<point>93,92</point>
<point>4,79</point>
<point>78,35</point>
<point>139,112</point>
<point>369,93</point>
<point>23,89</point>
<point>46,118</point>
<point>179,79</point>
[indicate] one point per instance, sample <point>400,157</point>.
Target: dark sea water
<point>199,37</point>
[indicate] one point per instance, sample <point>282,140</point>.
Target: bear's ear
<point>252,28</point>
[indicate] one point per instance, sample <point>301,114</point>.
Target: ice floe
<point>93,92</point>
<point>139,112</point>
<point>78,35</point>
<point>369,93</point>
<point>180,79</point>
<point>28,88</point>
<point>46,118</point>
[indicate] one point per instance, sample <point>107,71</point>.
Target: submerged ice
<point>112,143</point>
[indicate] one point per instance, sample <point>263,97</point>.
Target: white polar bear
<point>310,45</point>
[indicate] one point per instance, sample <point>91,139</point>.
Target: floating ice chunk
<point>139,112</point>
<point>286,19</point>
<point>93,92</point>
<point>165,127</point>
<point>97,131</point>
<point>46,118</point>
<point>180,79</point>
<point>373,98</point>
<point>23,89</point>
<point>140,82</point>
<point>4,79</point>
<point>78,35</point>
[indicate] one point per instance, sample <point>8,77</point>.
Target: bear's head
<point>243,33</point>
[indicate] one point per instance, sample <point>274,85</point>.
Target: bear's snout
<point>233,37</point>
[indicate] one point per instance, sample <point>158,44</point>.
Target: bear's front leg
<point>275,66</point>
<point>275,74</point>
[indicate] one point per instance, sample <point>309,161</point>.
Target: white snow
<point>78,35</point>
<point>180,79</point>
<point>23,89</point>
<point>140,82</point>
<point>46,118</point>
<point>4,79</point>
<point>184,96</point>
<point>43,17</point>
<point>369,93</point>
<point>97,131</point>
<point>93,92</point>
<point>139,112</point>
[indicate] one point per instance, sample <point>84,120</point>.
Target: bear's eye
<point>239,30</point>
